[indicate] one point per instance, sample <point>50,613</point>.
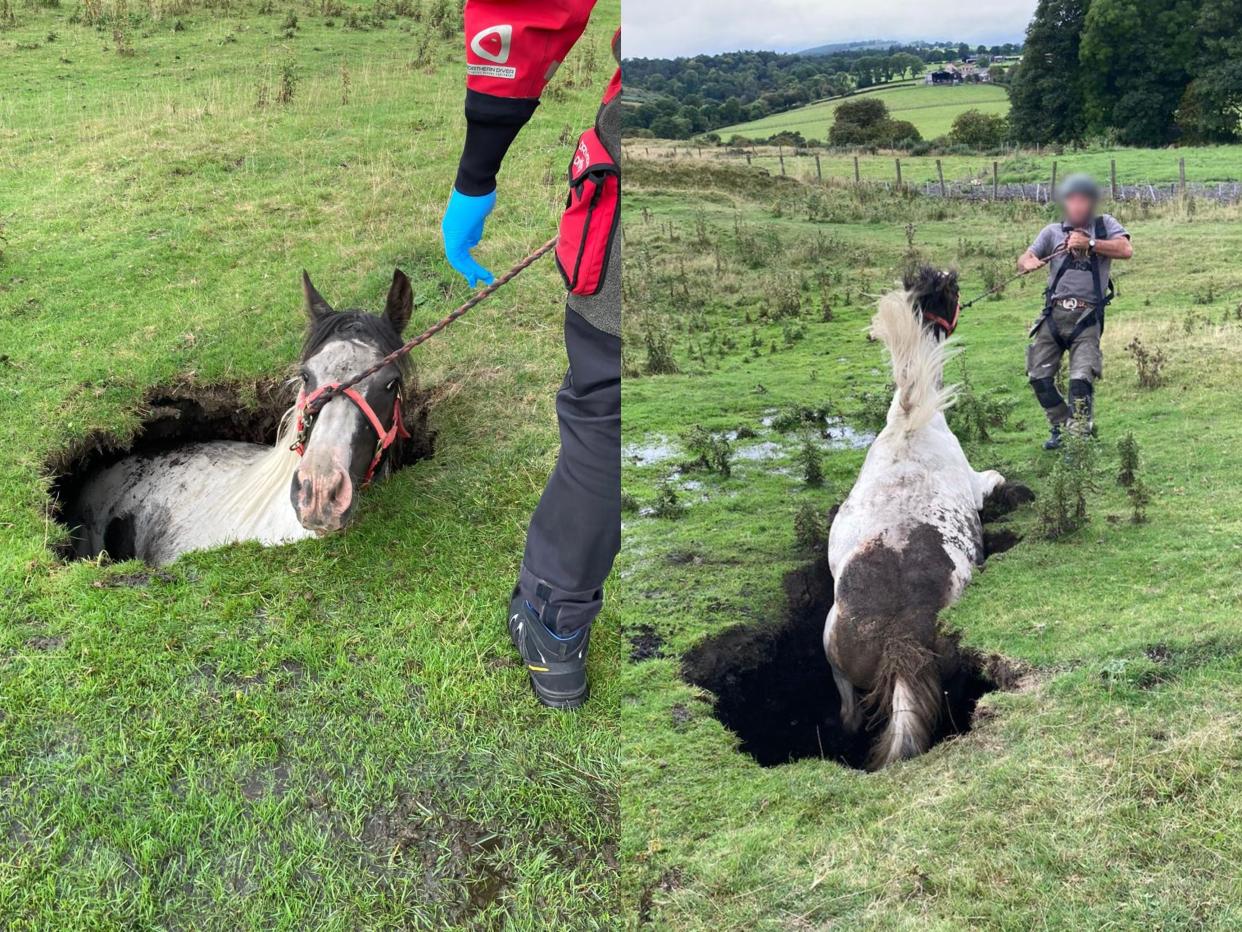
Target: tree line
<point>1135,72</point>
<point>683,97</point>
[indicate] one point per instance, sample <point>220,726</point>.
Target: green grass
<point>931,109</point>
<point>327,735</point>
<point>1104,793</point>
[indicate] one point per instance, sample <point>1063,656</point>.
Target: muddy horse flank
<point>155,507</point>
<point>905,542</point>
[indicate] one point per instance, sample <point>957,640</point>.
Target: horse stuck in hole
<point>155,507</point>
<point>905,543</point>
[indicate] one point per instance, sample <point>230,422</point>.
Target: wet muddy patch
<point>184,413</point>
<point>774,688</point>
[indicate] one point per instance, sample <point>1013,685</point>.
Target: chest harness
<point>1104,293</point>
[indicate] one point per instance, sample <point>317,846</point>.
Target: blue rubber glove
<point>463,228</point>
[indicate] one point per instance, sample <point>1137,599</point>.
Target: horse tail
<point>918,361</point>
<point>909,697</point>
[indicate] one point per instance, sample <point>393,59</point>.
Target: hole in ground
<point>184,413</point>
<point>774,688</point>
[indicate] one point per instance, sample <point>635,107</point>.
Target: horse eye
<point>392,386</point>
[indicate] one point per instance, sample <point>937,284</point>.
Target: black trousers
<point>575,533</point>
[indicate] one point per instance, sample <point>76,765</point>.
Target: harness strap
<point>385,436</point>
<point>1102,298</point>
<point>948,326</point>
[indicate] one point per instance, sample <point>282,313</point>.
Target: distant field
<point>931,109</point>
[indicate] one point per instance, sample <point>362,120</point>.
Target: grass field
<point>931,109</point>
<point>330,735</point>
<point>1105,790</point>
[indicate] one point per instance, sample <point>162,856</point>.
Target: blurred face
<point>1079,210</point>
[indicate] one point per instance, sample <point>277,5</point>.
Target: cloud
<point>660,29</point>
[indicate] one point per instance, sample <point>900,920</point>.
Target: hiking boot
<point>1054,440</point>
<point>557,665</point>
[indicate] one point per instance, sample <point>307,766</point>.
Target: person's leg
<point>1086,365</point>
<point>1043,362</point>
<point>575,532</point>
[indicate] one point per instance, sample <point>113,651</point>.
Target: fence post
<point>1112,178</point>
<point>782,157</point>
<point>1181,171</point>
<point>857,172</point>
<point>940,173</point>
<point>1053,186</point>
<point>819,172</point>
<point>996,181</point>
<point>747,158</point>
<point>898,174</point>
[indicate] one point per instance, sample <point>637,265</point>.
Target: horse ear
<point>316,306</point>
<point>400,302</point>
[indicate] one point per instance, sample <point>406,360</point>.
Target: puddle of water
<point>649,452</point>
<point>841,436</point>
<point>759,452</point>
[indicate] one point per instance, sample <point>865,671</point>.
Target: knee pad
<point>1046,392</point>
<point>1081,388</point>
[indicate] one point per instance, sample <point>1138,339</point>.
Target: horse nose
<point>323,498</point>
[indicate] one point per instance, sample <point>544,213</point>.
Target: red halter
<point>948,326</point>
<point>387,436</point>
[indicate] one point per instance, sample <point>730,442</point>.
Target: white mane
<point>918,361</point>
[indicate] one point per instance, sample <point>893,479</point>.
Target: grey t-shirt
<point>1077,282</point>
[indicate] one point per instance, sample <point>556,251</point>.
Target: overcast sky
<point>668,28</point>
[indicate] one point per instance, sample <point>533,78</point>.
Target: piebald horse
<point>905,542</point>
<point>155,507</point>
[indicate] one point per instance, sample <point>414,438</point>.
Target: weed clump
<point>975,416</point>
<point>668,504</point>
<point>660,359</point>
<point>1063,509</point>
<point>811,528</point>
<point>1128,452</point>
<point>1150,364</point>
<point>812,462</point>
<point>711,452</point>
<point>1140,498</point>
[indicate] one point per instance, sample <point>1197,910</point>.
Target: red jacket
<point>513,48</point>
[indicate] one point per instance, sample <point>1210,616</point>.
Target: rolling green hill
<point>931,109</point>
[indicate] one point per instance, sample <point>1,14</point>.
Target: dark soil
<point>645,644</point>
<point>185,412</point>
<point>774,688</point>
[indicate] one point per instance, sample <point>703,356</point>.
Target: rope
<point>1009,281</point>
<point>476,299</point>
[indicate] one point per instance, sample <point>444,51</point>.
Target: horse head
<point>346,439</point>
<point>935,294</point>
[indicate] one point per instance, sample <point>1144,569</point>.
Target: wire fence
<point>893,173</point>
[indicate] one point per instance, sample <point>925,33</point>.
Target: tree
<point>866,122</point>
<point>1211,107</point>
<point>1046,89</point>
<point>1135,57</point>
<point>865,111</point>
<point>979,130</point>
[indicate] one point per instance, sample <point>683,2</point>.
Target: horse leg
<point>851,709</point>
<point>985,484</point>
